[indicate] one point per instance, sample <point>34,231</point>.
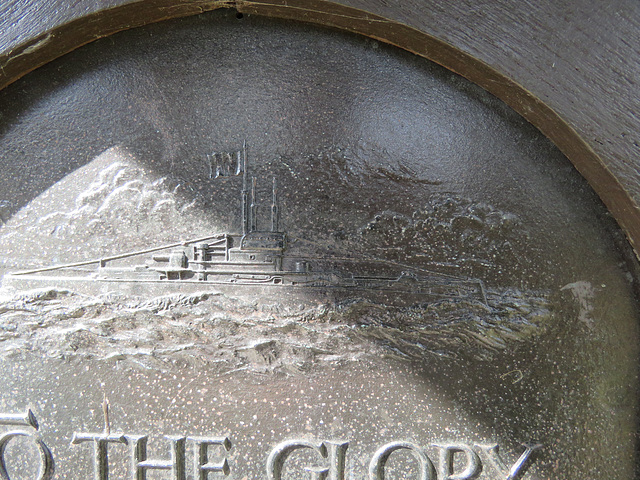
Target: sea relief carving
<point>407,283</point>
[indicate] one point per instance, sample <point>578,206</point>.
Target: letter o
<point>46,458</point>
<point>376,466</point>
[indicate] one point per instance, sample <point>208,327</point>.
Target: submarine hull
<point>264,287</point>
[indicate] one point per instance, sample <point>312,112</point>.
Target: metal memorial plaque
<point>241,248</point>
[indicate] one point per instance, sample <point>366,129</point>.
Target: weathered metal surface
<point>396,181</point>
<point>569,68</point>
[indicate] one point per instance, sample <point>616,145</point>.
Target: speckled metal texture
<point>393,181</point>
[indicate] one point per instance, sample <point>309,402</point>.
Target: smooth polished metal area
<point>248,248</point>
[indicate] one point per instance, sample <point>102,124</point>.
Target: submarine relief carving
<point>435,281</point>
<point>254,262</point>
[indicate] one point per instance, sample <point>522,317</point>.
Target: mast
<point>253,224</point>
<point>274,208</point>
<point>245,191</point>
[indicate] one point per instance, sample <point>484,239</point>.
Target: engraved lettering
<point>457,461</point>
<point>280,453</point>
<point>201,465</point>
<point>138,452</point>
<point>337,454</point>
<point>140,463</point>
<point>101,442</point>
<point>376,466</point>
<point>26,419</point>
<point>473,466</point>
<point>46,459</point>
<point>518,468</point>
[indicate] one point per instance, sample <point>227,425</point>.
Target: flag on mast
<point>225,164</point>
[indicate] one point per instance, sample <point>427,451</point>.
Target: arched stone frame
<point>511,50</point>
